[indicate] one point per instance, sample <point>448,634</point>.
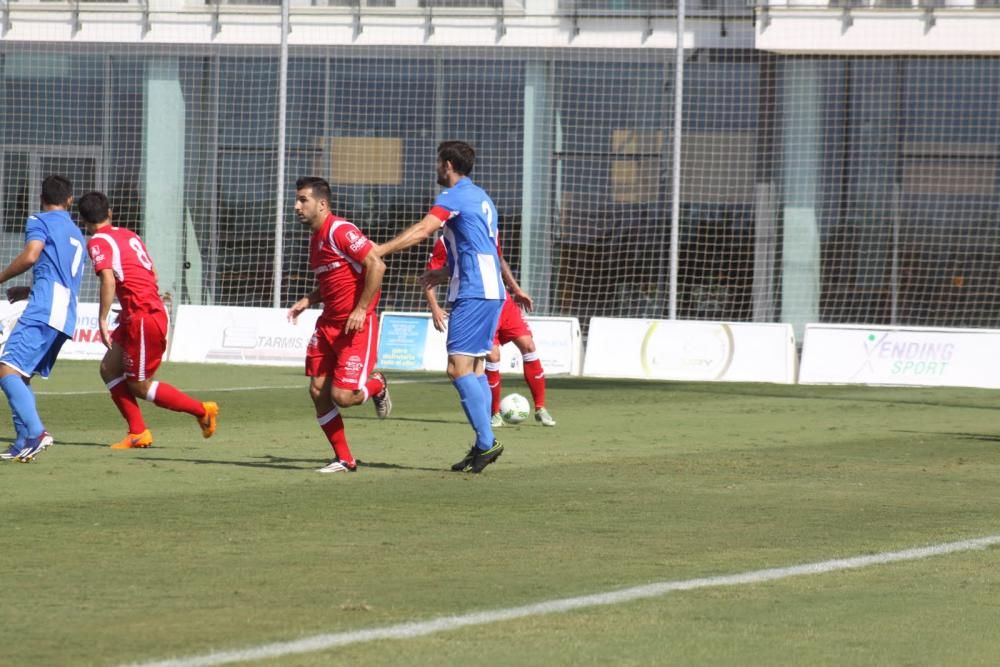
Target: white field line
<point>448,623</point>
<point>304,385</point>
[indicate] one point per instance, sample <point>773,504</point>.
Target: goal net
<point>829,189</point>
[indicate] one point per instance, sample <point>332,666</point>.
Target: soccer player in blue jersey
<point>468,218</point>
<point>54,252</point>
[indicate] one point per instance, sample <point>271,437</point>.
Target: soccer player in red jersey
<point>343,349</point>
<point>136,347</point>
<point>512,328</point>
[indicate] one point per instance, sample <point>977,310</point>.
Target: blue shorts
<point>33,348</point>
<point>472,325</point>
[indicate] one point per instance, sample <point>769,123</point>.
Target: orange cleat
<point>134,441</point>
<point>207,422</point>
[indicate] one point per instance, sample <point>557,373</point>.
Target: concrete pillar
<point>802,134</point>
<point>536,197</point>
<point>163,172</point>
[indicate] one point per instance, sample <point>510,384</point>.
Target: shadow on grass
<point>270,462</point>
<point>984,437</point>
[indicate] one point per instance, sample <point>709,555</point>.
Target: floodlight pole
<point>280,196</point>
<point>675,199</point>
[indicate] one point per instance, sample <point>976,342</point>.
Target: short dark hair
<point>460,154</point>
<point>56,190</point>
<point>94,208</point>
<point>320,188</point>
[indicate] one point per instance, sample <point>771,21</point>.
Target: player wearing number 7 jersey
<point>135,348</point>
<point>53,251</point>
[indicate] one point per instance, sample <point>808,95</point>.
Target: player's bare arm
<point>434,277</point>
<point>410,236</point>
<point>107,278</point>
<point>24,261</point>
<point>302,304</point>
<point>521,297</point>
<point>19,293</point>
<point>438,316</point>
<point>374,269</point>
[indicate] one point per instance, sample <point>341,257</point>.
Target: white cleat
<point>496,421</point>
<point>543,417</point>
<point>337,466</point>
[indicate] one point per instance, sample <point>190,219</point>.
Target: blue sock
<point>476,411</point>
<point>488,393</point>
<point>20,431</point>
<point>22,404</point>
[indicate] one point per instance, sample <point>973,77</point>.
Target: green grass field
<point>195,546</point>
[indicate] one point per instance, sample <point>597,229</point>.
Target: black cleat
<point>483,459</point>
<point>464,464</point>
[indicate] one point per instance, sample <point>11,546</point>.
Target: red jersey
<point>336,253</point>
<point>439,256</point>
<point>123,252</point>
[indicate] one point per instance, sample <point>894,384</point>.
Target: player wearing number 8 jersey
<point>53,251</point>
<point>136,347</point>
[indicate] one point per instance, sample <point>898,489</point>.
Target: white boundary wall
<point>246,336</point>
<point>409,341</point>
<point>86,342</point>
<point>916,356</point>
<point>690,350</point>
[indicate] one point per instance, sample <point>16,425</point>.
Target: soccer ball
<point>514,408</point>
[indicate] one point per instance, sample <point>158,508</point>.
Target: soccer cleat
<point>467,460</point>
<point>496,421</point>
<point>207,422</point>
<point>33,446</point>
<point>483,459</point>
<point>381,400</point>
<point>11,453</point>
<point>542,415</point>
<point>134,441</point>
<point>338,466</point>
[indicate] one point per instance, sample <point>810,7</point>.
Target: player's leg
<point>32,348</point>
<point>534,375</point>
<point>353,385</point>
<point>321,368</point>
<point>492,373</point>
<point>472,327</point>
<point>113,373</point>
<point>141,358</point>
<point>20,437</point>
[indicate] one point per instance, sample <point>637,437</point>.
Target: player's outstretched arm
<point>410,236</point>
<point>24,261</point>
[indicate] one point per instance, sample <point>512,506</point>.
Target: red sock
<point>374,386</point>
<point>534,375</point>
<point>493,379</point>
<point>166,396</point>
<point>333,425</point>
<point>127,405</point>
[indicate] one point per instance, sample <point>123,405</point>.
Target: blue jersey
<point>57,274</point>
<point>470,234</point>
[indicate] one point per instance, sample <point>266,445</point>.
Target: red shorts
<point>348,357</point>
<point>143,337</point>
<point>512,324</point>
